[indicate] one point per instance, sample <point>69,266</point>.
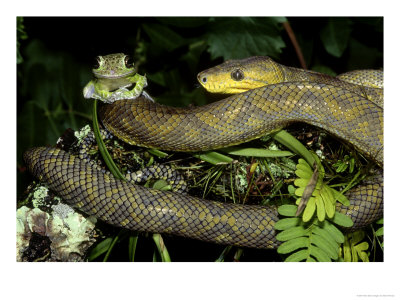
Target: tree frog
<point>114,77</point>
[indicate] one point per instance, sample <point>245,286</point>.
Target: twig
<point>296,46</point>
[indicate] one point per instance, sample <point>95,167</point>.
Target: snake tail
<point>138,208</point>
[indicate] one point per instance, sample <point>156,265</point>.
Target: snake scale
<point>241,117</point>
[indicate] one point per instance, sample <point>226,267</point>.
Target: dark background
<point>56,54</point>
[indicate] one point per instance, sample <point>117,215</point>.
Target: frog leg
<point>140,83</point>
<point>93,91</point>
<point>124,93</point>
<point>103,95</point>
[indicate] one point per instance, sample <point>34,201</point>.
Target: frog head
<point>113,66</point>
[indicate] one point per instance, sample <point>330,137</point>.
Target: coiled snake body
<point>233,120</point>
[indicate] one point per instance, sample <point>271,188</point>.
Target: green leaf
<point>363,256</point>
<point>162,185</point>
<point>100,249</point>
<point>214,158</point>
<point>162,249</point>
<point>357,236</point>
<point>320,208</point>
<point>342,220</point>
<point>133,238</point>
<point>287,223</point>
<point>224,253</point>
<point>304,174</point>
<point>323,244</point>
<point>329,201</point>
<point>336,234</point>
<point>299,192</point>
<point>250,37</point>
<point>362,247</point>
<point>291,233</point>
<point>340,197</point>
<point>303,165</point>
<point>353,250</point>
<point>347,251</point>
<point>297,256</point>
<point>351,165</point>
<point>310,259</point>
<point>287,210</point>
<point>309,210</point>
<point>290,142</point>
<point>163,37</point>
<point>379,232</point>
<point>340,166</point>
<point>301,182</point>
<point>319,254</point>
<point>327,236</point>
<point>255,152</point>
<point>120,236</point>
<point>327,195</point>
<point>335,35</point>
<point>157,153</point>
<point>294,244</point>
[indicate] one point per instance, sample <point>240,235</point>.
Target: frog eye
<point>97,62</point>
<point>128,61</point>
<point>237,75</point>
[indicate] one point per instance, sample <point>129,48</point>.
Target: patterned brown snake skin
<point>233,120</point>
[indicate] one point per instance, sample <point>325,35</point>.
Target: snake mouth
<point>238,90</point>
<point>228,90</point>
<point>223,89</point>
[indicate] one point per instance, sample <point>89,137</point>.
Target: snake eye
<point>128,62</point>
<point>204,79</point>
<point>96,63</point>
<point>237,75</point>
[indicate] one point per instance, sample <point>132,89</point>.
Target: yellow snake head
<point>238,76</point>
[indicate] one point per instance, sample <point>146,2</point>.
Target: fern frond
<point>309,241</point>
